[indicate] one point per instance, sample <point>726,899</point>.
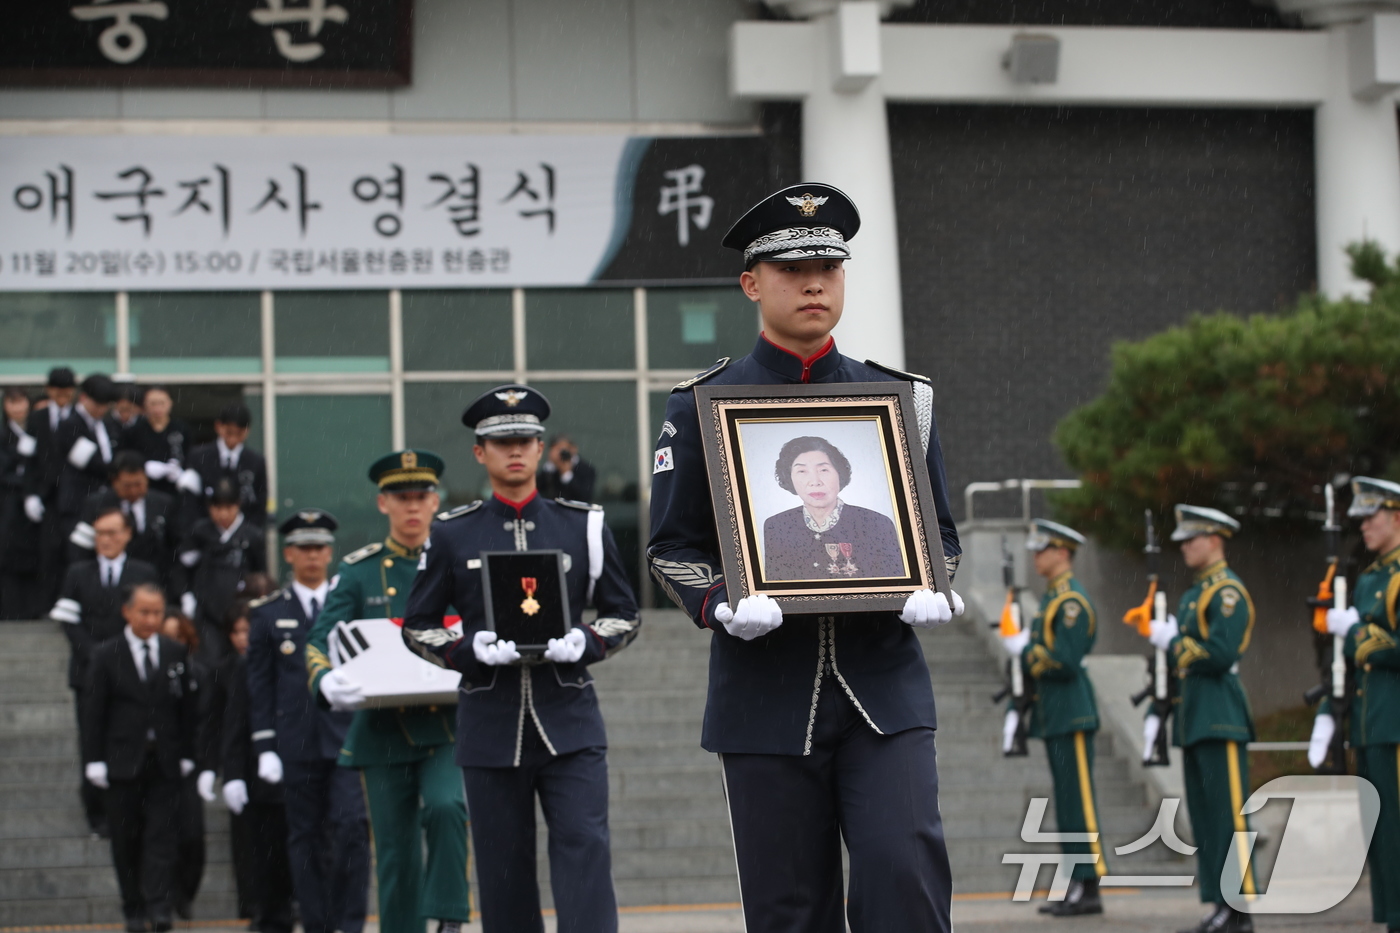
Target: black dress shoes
<point>1224,919</point>
<point>137,924</point>
<point>1081,899</point>
<point>162,922</point>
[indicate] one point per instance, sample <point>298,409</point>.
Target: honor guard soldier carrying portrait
<point>1063,710</point>
<point>297,742</point>
<point>1373,645</point>
<point>1213,724</point>
<point>405,753</point>
<point>812,753</point>
<point>527,727</point>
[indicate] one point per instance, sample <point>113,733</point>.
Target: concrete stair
<point>670,827</point>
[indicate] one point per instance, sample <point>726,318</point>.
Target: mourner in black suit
<point>215,558</point>
<point>162,442</point>
<point>527,731</point>
<point>298,742</point>
<point>824,724</point>
<point>138,741</point>
<point>153,516</point>
<point>20,596</point>
<point>89,605</point>
<point>259,818</point>
<point>229,457</point>
<point>41,480</point>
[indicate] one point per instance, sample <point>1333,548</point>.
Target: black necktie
<point>315,610</point>
<point>109,576</point>
<point>147,669</point>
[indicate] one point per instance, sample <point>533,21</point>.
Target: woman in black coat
<point>825,538</point>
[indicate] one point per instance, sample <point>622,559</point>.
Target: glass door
<point>325,444</point>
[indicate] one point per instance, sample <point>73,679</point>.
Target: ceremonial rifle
<point>1332,594</point>
<point>1161,684</point>
<point>1008,625</point>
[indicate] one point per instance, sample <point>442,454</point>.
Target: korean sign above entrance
<point>259,43</point>
<point>278,212</point>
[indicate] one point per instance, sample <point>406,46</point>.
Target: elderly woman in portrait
<point>824,537</point>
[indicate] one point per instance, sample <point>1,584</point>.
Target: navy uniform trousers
<point>573,793</point>
<point>879,793</point>
<point>327,844</point>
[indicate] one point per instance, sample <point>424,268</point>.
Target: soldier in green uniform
<point>1063,711</point>
<point>1213,722</point>
<point>1371,643</point>
<point>405,754</point>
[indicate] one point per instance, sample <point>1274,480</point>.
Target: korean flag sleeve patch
<point>662,461</point>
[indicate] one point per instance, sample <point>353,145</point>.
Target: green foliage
<point>1252,415</point>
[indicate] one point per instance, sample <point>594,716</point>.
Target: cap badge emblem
<point>807,205</point>
<point>308,516</point>
<point>511,397</point>
<point>408,460</point>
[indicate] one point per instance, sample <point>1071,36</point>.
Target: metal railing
<point>1025,485</point>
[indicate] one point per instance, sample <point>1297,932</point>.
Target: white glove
<point>205,785</point>
<point>566,650</point>
<point>190,482</point>
<point>491,652</point>
<point>926,608</point>
<point>96,773</point>
<point>1340,621</point>
<point>1163,633</point>
<point>80,454</point>
<point>34,509</point>
<point>155,469</point>
<point>1150,727</point>
<point>1324,726</point>
<point>235,795</point>
<point>270,767</point>
<point>757,615</point>
<point>342,692</point>
<point>26,445</point>
<point>186,767</point>
<point>1008,729</point>
<point>1015,644</point>
<point>188,604</point>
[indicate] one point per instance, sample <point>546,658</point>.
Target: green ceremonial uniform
<point>1373,646</point>
<point>1063,711</point>
<point>1212,721</point>
<point>403,754</point>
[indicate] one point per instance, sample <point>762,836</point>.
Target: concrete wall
<point>497,60</point>
<point>1033,238</point>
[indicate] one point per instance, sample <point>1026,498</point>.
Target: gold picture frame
<point>821,493</point>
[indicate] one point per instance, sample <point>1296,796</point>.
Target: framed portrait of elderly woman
<point>822,495</point>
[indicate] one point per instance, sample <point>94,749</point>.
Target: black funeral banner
<point>244,43</point>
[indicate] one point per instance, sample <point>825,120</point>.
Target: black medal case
<point>526,598</point>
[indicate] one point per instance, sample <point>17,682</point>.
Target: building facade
<point>1036,181</point>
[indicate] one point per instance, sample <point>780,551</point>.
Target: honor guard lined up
<point>527,727</point>
<point>404,753</point>
<point>1063,710</point>
<point>297,742</point>
<point>790,697</point>
<point>1212,723</point>
<point>1373,646</point>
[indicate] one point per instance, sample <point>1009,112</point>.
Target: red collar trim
<point>806,363</point>
<point>518,506</point>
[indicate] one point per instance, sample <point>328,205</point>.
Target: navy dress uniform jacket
<point>282,713</point>
<point>876,657</point>
<point>495,702</point>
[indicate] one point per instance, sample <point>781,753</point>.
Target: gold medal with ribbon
<point>530,605</point>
